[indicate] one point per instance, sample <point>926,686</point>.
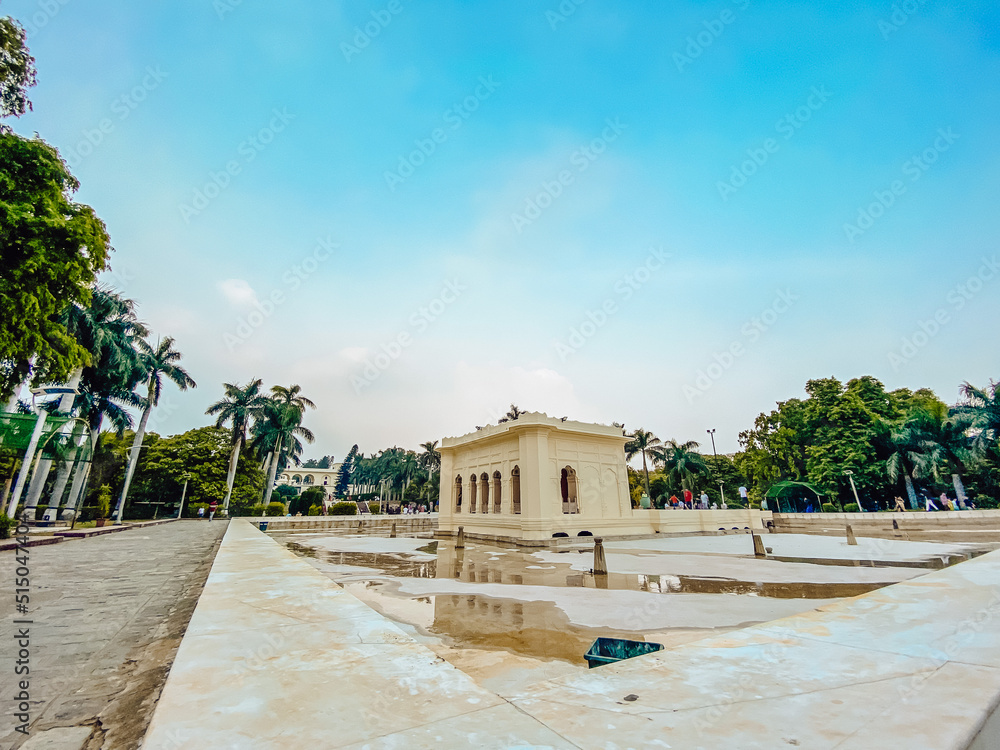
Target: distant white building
<point>536,478</point>
<point>305,478</point>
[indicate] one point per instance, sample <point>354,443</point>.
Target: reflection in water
<point>478,563</point>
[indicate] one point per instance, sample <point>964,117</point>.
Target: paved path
<point>108,614</point>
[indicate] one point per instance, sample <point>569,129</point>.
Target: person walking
<point>201,513</point>
<point>929,504</point>
<point>743,496</point>
<point>689,499</point>
<point>212,507</point>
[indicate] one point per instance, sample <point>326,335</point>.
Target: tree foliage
<point>17,69</point>
<point>51,250</point>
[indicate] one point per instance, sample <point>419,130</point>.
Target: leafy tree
<point>17,69</point>
<point>310,496</point>
<point>344,474</point>
<point>642,443</point>
<point>324,463</point>
<point>203,454</point>
<point>156,364</point>
<point>51,250</point>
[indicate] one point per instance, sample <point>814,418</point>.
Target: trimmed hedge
<point>275,509</point>
<point>830,508</point>
<point>851,508</point>
<point>343,509</point>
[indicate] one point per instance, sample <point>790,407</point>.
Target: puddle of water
<point>477,564</point>
<point>536,629</point>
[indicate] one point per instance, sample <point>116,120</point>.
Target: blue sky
<point>669,215</point>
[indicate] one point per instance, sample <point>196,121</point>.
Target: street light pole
<point>850,476</point>
<point>180,512</point>
<point>711,434</point>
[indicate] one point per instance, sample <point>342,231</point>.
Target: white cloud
<point>238,292</point>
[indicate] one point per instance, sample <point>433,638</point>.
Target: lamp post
<point>711,434</point>
<point>186,477</point>
<point>721,495</point>
<point>850,476</point>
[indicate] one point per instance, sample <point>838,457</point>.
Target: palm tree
<point>944,446</point>
<point>682,463</point>
<point>108,329</point>
<point>644,443</point>
<point>904,446</point>
<point>275,435</point>
<point>277,431</point>
<point>982,406</point>
<point>157,363</point>
<point>430,459</point>
<point>241,406</point>
<point>512,414</point>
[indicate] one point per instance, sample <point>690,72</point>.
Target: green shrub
<point>258,509</point>
<point>315,510</point>
<point>851,508</point>
<point>275,509</point>
<point>6,522</point>
<point>830,508</point>
<point>372,506</point>
<point>344,509</point>
<point>735,504</point>
<point>104,501</point>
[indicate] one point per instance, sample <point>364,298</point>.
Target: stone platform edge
<point>278,655</point>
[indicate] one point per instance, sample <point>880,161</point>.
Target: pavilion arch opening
<point>515,491</point>
<point>472,494</point>
<point>485,482</point>
<point>458,494</point>
<point>497,478</point>
<point>568,487</point>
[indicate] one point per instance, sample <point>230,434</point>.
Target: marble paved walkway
<point>108,614</point>
<point>279,656</point>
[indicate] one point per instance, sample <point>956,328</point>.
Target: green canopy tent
<point>788,496</point>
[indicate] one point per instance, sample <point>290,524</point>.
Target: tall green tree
<point>51,250</point>
<point>343,480</point>
<point>240,407</point>
<point>642,443</point>
<point>282,423</point>
<point>682,463</point>
<point>17,69</point>
<point>158,363</point>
